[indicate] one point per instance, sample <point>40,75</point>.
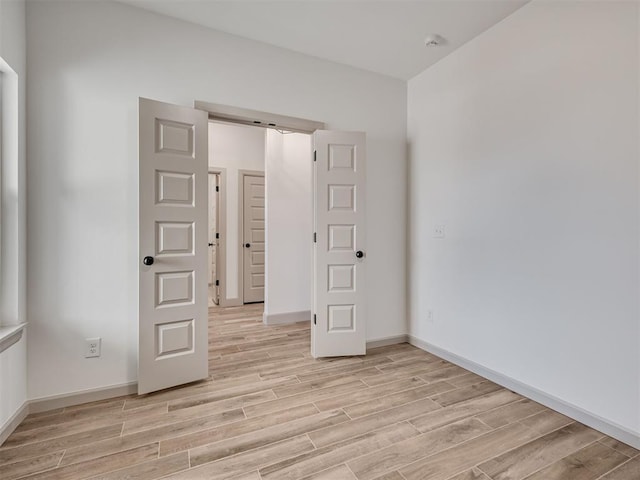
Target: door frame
<point>216,240</point>
<point>222,243</point>
<point>256,118</point>
<point>241,174</point>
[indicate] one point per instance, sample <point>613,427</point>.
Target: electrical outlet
<point>430,316</point>
<point>92,347</point>
<point>438,231</point>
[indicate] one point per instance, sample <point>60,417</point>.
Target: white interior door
<point>338,296</point>
<point>253,239</point>
<point>213,234</point>
<point>173,246</point>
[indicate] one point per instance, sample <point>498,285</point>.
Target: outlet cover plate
<point>92,347</point>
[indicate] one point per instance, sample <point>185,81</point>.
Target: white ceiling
<point>386,37</point>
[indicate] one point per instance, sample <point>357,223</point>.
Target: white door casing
<point>338,296</point>
<point>212,234</point>
<point>253,238</point>
<point>173,339</point>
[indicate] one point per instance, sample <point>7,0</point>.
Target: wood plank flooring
<point>271,412</point>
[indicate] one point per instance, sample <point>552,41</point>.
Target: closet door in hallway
<point>214,182</point>
<point>253,236</point>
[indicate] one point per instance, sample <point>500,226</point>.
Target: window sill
<point>10,334</point>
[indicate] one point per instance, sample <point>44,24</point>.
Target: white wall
<point>82,170</point>
<point>289,224</point>
<point>524,143</point>
<point>235,147</point>
<point>13,362</point>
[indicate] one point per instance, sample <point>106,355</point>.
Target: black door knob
<point>247,245</point>
<point>359,254</point>
<point>210,244</point>
<point>148,261</point>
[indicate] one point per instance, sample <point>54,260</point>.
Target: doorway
<point>267,205</point>
<point>236,152</point>
<point>214,235</point>
<point>276,239</point>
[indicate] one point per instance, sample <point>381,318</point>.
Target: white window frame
<point>11,276</point>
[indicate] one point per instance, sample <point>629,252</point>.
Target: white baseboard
<point>12,423</point>
<point>84,396</point>
<point>288,317</point>
<point>383,342</point>
<point>230,302</point>
<point>594,421</point>
<point>43,404</point>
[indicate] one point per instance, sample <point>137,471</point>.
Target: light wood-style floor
<point>271,412</point>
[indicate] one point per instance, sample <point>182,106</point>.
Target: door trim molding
<point>241,174</point>
<point>222,229</point>
<point>256,118</point>
<point>225,301</point>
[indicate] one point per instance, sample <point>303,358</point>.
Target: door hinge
<point>314,318</point>
<point>217,283</point>
<point>217,188</point>
<point>314,155</point>
<point>217,236</point>
<point>315,237</point>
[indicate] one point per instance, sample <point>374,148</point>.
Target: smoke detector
<point>434,40</point>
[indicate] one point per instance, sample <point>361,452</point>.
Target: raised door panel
<point>175,188</point>
<point>175,238</point>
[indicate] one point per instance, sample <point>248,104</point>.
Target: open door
<point>173,339</point>
<point>338,296</point>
